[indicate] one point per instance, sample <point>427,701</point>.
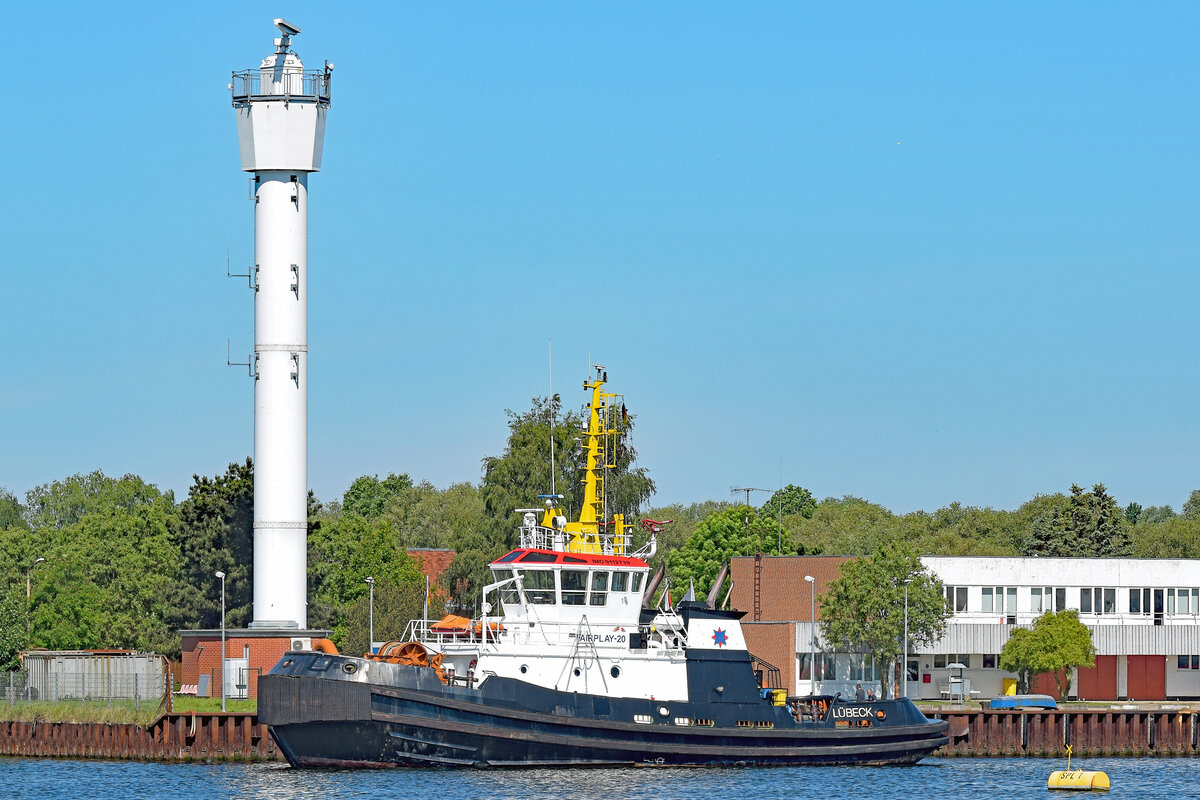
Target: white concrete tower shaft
<point>281,129</point>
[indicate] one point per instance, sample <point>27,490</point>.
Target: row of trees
<point>128,566</point>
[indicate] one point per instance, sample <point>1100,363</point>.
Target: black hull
<point>321,722</point>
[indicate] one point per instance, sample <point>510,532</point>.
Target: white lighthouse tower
<point>281,112</point>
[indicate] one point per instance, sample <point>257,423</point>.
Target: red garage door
<point>1147,678</point>
<point>1099,682</point>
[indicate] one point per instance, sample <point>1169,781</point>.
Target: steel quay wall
<point>172,737</point>
<point>240,737</point>
<point>1144,732</point>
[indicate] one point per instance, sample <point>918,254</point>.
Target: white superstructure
<point>281,112</point>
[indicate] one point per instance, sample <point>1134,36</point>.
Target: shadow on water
<point>968,779</point>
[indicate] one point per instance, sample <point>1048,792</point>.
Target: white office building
<point>1144,615</point>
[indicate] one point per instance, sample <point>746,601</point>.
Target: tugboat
<point>573,670</point>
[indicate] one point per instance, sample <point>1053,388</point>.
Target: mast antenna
<point>550,371</point>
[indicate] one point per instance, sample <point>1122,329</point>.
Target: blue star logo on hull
<point>720,638</point>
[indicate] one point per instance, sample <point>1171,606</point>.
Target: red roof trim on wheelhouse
<point>526,556</point>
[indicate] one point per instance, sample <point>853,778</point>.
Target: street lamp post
<point>371,615</point>
<point>904,670</point>
<point>28,598</point>
<point>812,619</point>
<point>221,575</point>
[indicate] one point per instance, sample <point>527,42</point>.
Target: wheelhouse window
<point>574,586</point>
<point>599,593</point>
<point>620,581</point>
<point>636,586</point>
<point>539,586</point>
<point>508,593</point>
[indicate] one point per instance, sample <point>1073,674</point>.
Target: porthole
<point>524,669</point>
<point>577,672</point>
<point>664,711</point>
<point>615,672</point>
<point>349,668</point>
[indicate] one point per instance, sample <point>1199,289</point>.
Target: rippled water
<point>969,779</point>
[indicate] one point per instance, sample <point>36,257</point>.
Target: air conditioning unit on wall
<point>301,644</point>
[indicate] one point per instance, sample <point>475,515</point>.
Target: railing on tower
<point>310,86</point>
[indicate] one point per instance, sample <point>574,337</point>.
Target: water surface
<point>959,778</point>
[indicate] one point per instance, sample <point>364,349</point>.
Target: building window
<point>956,598</point>
<point>1097,600</point>
<point>943,660</point>
<point>1001,600</point>
<point>989,660</point>
<point>1188,662</point>
<point>1182,601</point>
<point>862,667</point>
<point>1035,600</point>
<point>1135,601</point>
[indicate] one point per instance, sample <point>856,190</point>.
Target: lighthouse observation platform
<point>309,86</point>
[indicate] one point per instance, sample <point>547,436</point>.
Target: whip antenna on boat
<point>550,370</point>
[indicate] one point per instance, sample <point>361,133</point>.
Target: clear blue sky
<point>913,252</point>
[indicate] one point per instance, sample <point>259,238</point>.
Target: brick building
<point>249,653</point>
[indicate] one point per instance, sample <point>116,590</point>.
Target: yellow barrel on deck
<point>1080,780</point>
<point>1010,686</point>
<point>779,697</point>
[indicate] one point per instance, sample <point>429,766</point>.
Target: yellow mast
<point>600,444</point>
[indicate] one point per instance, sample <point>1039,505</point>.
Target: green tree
<point>370,497</point>
<point>790,500</point>
<point>1155,514</point>
<point>1191,509</point>
<point>214,530</point>
<point>63,503</point>
<point>111,566</point>
<point>1133,512</point>
<point>843,526</point>
<point>684,520</point>
<point>863,610</point>
<point>1090,524</point>
<point>11,512</point>
<point>1057,643</point>
<point>12,627</point>
<point>1177,537</point>
<point>735,531</point>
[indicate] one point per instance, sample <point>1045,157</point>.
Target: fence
<point>131,690</point>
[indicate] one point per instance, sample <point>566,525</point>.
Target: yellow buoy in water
<point>1079,780</point>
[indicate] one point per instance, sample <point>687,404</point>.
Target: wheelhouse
<point>541,583</point>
